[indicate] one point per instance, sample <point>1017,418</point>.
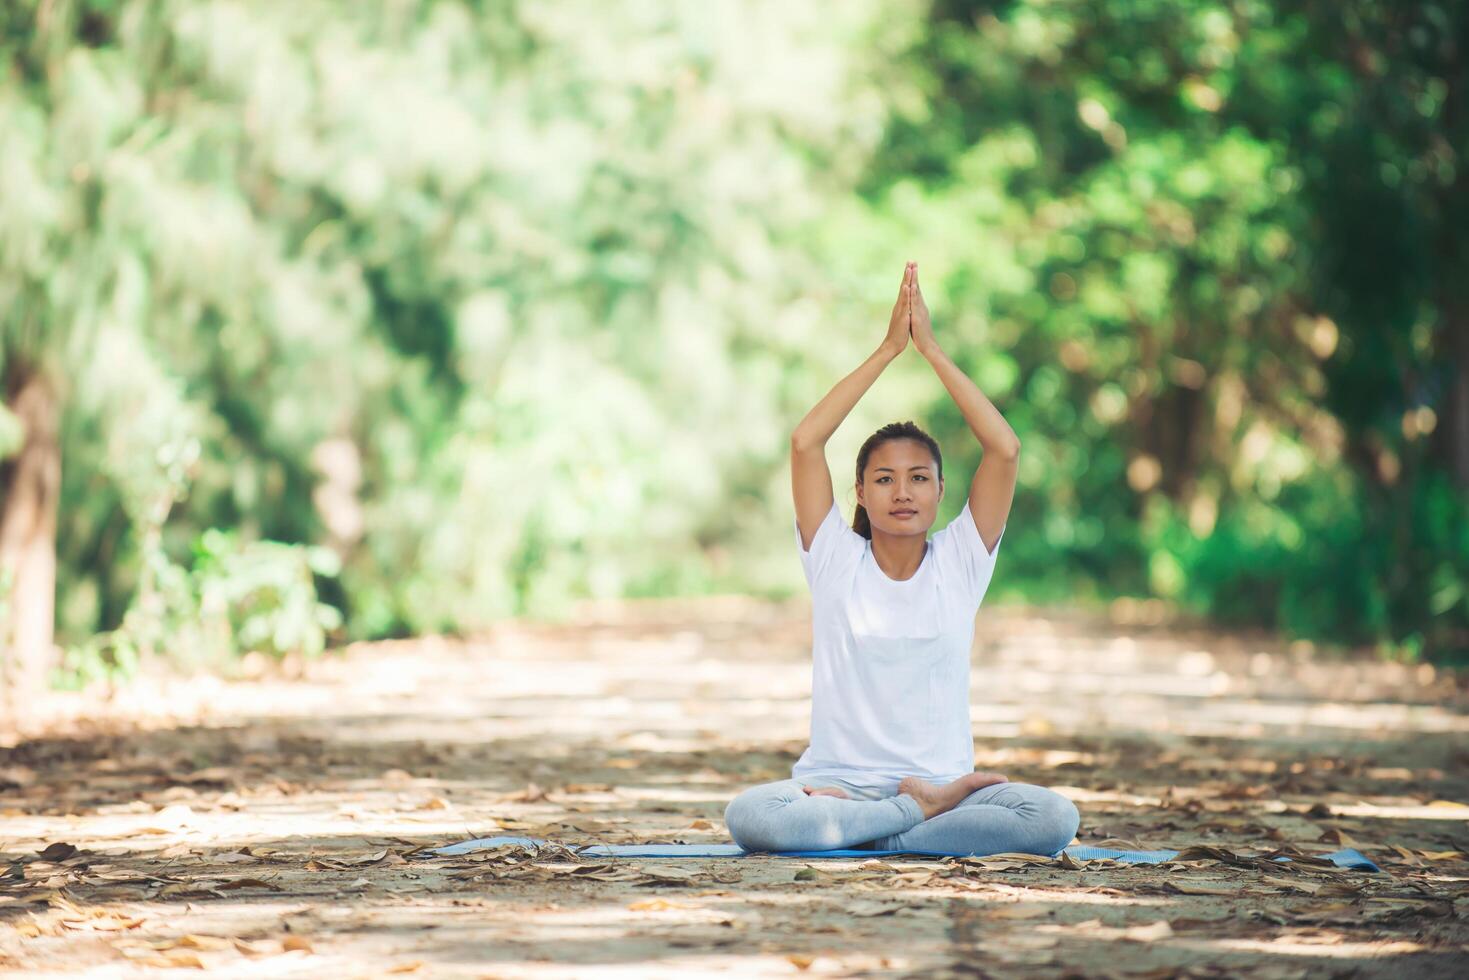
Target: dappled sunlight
<point>402,407</point>
<point>1437,810</point>
<point>198,820</point>
<point>1323,944</point>
<point>1029,903</point>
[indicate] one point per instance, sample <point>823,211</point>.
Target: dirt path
<point>274,828</point>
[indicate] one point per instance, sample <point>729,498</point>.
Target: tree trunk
<point>1455,427</point>
<point>30,490</point>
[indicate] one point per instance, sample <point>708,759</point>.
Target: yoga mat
<point>1346,858</point>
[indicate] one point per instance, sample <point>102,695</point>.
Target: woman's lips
<point>904,513</point>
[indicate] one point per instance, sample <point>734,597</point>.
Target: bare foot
<point>940,799</point>
<point>826,791</point>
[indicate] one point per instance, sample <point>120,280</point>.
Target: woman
<point>890,765</point>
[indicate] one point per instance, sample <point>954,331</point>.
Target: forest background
<point>329,321</point>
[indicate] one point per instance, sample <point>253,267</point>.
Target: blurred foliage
<point>237,597</point>
<point>503,305</point>
<point>1211,259</point>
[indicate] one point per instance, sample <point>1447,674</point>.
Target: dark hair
<point>888,433</point>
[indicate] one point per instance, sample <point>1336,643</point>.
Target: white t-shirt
<point>890,659</point>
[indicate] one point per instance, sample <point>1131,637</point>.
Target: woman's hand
<point>922,328</point>
<point>899,330</point>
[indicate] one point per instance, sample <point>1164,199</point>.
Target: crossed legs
<point>781,816</point>
<point>1001,818</point>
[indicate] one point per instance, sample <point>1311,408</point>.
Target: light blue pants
<point>1003,817</point>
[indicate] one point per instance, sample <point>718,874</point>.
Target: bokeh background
<point>324,321</point>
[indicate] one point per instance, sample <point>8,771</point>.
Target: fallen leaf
<point>408,967</point>
<point>293,943</point>
<point>1328,911</point>
<point>801,960</point>
<point>18,776</point>
<point>587,788</point>
<point>179,959</point>
<point>510,823</point>
<point>1203,852</point>
<point>113,923</point>
<point>58,851</point>
<point>1334,889</point>
<point>186,889</point>
<point>193,941</point>
<point>1181,925</point>
<point>214,774</point>
<point>1019,856</point>
<point>1297,884</point>
<point>870,910</point>
<point>259,947</point>
<point>123,876</point>
<point>324,865</point>
<point>238,883</point>
<point>670,874</point>
<point>988,865</point>
<point>1201,888</point>
<point>1017,911</point>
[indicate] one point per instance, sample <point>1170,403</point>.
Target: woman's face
<point>900,476</point>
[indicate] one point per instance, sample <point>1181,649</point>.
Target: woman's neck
<point>899,556</point>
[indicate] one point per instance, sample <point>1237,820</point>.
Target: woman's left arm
<point>993,488</point>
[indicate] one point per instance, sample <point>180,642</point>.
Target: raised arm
<point>993,488</point>
<point>810,478</point>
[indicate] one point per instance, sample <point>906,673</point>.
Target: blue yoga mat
<point>1346,858</point>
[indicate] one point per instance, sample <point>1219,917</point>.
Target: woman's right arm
<point>810,478</point>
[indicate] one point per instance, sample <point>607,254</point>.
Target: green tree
<point>1217,256</point>
<point>467,292</point>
